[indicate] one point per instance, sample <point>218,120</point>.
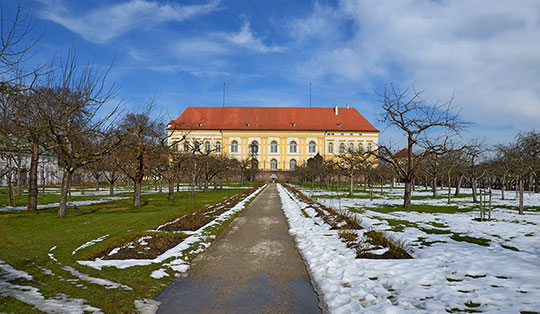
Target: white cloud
<point>246,38</point>
<point>103,24</point>
<point>224,44</point>
<point>484,50</point>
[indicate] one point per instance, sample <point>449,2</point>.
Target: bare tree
<point>351,164</point>
<point>72,110</point>
<point>450,162</point>
<point>530,146</point>
<point>474,155</point>
<point>16,43</point>
<point>140,137</point>
<point>426,126</point>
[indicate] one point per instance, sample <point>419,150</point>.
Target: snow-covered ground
<point>445,274</point>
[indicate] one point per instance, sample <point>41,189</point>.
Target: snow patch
<point>147,306</point>
<point>51,255</point>
<point>61,303</point>
<point>99,281</point>
<point>160,273</point>
<point>90,243</point>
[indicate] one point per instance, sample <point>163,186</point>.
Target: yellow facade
<point>275,148</point>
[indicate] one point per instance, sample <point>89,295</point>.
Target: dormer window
<point>199,124</point>
<point>338,125</point>
<point>292,124</point>
<point>246,124</point>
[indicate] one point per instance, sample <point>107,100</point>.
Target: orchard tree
<point>352,163</point>
<point>71,109</point>
<point>529,142</point>
<point>474,155</point>
<point>140,137</point>
<point>16,82</point>
<point>426,126</point>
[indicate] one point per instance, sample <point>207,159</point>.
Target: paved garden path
<point>253,267</point>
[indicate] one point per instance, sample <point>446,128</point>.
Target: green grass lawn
<point>26,239</point>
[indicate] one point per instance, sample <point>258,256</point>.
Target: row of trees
<point>70,112</point>
<point>432,156</point>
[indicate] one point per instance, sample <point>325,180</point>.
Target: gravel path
<point>253,267</point>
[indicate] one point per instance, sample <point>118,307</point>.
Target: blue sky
<point>486,53</point>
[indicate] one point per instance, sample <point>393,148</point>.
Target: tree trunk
<point>137,182</point>
<point>474,186</point>
<point>206,185</point>
<point>407,195</point>
<point>193,186</point>
<point>111,188</point>
<point>97,183</point>
<point>458,186</point>
<point>503,183</point>
<point>521,196</point>
<point>42,181</point>
<point>449,189</point>
<point>481,207</point>
<point>19,181</point>
<point>434,187</point>
<point>32,178</point>
<point>490,193</point>
<point>351,185</point>
<point>160,185</point>
<point>171,189</point>
<point>137,193</point>
<point>11,200</point>
<point>66,182</point>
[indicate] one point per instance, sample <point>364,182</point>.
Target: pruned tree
<point>426,126</point>
<point>71,108</point>
<point>474,155</point>
<point>450,162</point>
<point>351,164</point>
<point>529,142</point>
<point>140,138</point>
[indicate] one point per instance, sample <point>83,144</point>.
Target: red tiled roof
<point>402,154</point>
<point>271,118</point>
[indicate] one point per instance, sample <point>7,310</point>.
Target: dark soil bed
<point>198,219</point>
<point>145,246</point>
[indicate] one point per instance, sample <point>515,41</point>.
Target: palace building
<point>278,137</point>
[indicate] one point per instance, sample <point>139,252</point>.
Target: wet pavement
<point>253,267</point>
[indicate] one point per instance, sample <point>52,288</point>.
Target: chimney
<point>347,105</point>
<point>336,110</point>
